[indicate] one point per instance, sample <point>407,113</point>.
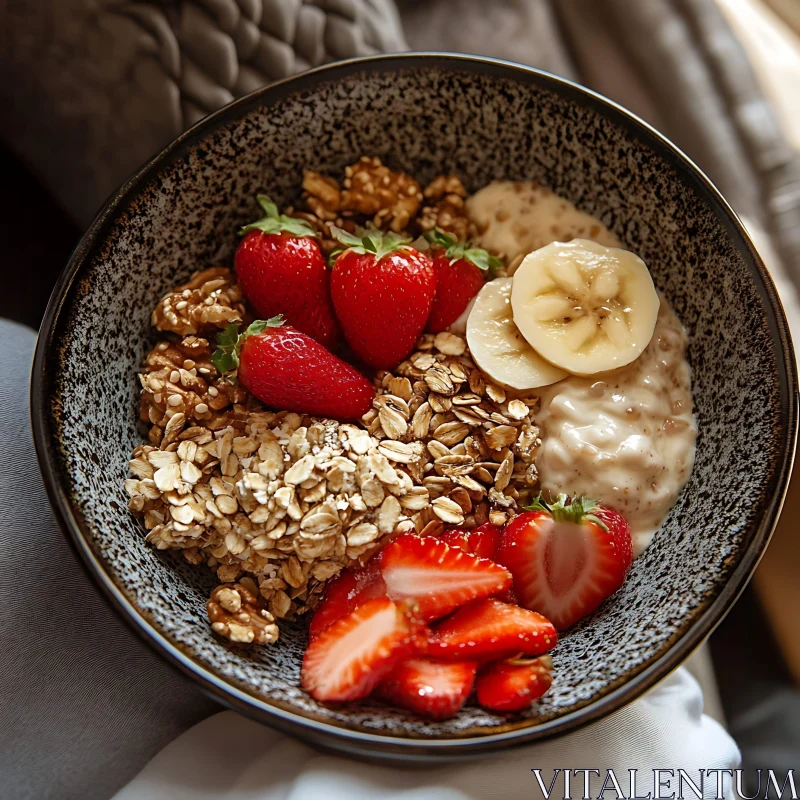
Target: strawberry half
<point>461,271</point>
<point>281,270</point>
<point>437,577</point>
<point>483,541</point>
<point>514,684</point>
<point>346,592</point>
<point>490,629</point>
<point>348,659</point>
<point>567,557</point>
<point>382,291</point>
<point>287,369</point>
<point>434,689</point>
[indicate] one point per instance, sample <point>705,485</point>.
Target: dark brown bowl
<point>427,114</point>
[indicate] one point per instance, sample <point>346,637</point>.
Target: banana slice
<point>585,307</point>
<point>498,348</point>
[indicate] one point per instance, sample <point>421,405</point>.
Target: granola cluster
<point>389,200</point>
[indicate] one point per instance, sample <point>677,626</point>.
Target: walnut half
<point>210,300</point>
<point>236,611</point>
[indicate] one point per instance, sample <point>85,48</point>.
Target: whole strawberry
<point>288,370</point>
<point>382,291</point>
<point>281,270</point>
<point>566,557</point>
<point>461,271</point>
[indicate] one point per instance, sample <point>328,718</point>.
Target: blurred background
<point>91,89</point>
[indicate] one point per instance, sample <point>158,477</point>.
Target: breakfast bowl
<point>427,114</point>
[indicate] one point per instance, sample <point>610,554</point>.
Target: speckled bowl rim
<point>340,737</point>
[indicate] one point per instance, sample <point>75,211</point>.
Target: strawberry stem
<point>455,250</point>
<point>369,240</point>
<point>577,510</point>
<point>230,341</point>
<point>275,222</point>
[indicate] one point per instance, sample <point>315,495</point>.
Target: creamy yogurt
<point>626,439</point>
<point>515,217</point>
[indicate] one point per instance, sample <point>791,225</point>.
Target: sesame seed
<point>174,400</point>
<point>187,293</point>
<point>213,391</point>
<point>188,364</point>
<point>162,346</point>
<point>201,408</point>
<point>181,305</point>
<point>174,376</point>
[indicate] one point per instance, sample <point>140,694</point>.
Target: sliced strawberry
<point>435,689</point>
<point>567,558</point>
<point>347,660</point>
<point>514,684</point>
<point>348,590</point>
<point>490,629</point>
<point>483,541</point>
<point>439,578</point>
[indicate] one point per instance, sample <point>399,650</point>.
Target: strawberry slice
<point>434,689</point>
<point>347,660</point>
<point>439,578</point>
<point>566,557</point>
<point>483,541</point>
<point>490,629</point>
<point>514,684</point>
<point>348,590</point>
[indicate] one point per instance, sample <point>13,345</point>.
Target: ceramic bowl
<point>426,114</point>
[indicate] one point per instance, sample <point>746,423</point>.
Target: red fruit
<point>567,558</point>
<point>286,369</point>
<point>346,592</point>
<point>490,629</point>
<point>515,684</point>
<point>437,577</point>
<point>460,273</point>
<point>382,291</point>
<point>281,270</point>
<point>347,660</point>
<point>434,689</point>
<point>483,541</point>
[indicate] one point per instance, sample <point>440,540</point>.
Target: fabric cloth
<point>94,88</point>
<point>231,758</point>
<point>84,703</point>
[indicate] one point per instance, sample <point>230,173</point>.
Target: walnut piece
<point>445,208</point>
<point>390,198</point>
<point>321,195</point>
<point>237,612</point>
<point>211,299</point>
<point>180,385</point>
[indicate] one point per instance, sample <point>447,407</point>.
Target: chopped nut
<point>390,198</point>
<point>237,612</point>
<point>186,310</point>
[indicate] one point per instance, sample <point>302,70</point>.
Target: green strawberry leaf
<point>577,510</point>
<point>230,341</point>
<point>455,251</point>
<point>275,222</point>
<point>371,240</point>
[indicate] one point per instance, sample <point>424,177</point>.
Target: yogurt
<point>626,439</point>
<point>515,217</point>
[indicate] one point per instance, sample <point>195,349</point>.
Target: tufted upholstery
<point>94,88</point>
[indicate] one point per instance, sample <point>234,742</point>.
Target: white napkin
<point>228,757</point>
